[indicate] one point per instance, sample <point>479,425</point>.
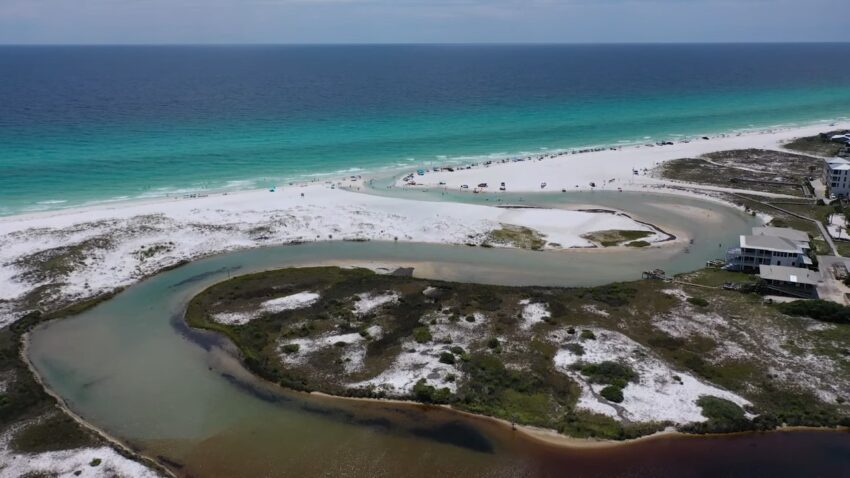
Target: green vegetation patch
<point>537,396</point>
<point>583,424</point>
<point>818,144</point>
<point>723,417</point>
<point>503,370</point>
<point>517,236</point>
<point>56,431</point>
<point>698,301</point>
<point>616,237</point>
<point>752,169</point>
<point>616,295</point>
<point>822,310</point>
<point>612,393</point>
<point>611,373</point>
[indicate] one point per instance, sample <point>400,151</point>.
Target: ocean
<point>84,124</point>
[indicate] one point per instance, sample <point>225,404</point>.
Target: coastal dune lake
<point>131,367</point>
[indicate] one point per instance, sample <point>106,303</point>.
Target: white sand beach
<point>103,247</point>
<point>608,169</point>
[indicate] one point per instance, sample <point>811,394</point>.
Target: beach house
<point>772,246</point>
<point>791,281</point>
<point>840,138</point>
<point>836,176</point>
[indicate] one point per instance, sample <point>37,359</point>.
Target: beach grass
<point>613,237</point>
<point>487,381</point>
<point>751,169</point>
<point>517,236</point>
<point>818,144</point>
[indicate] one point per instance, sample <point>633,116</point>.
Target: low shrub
<point>715,408</point>
<point>428,394</point>
<point>615,295</point>
<point>611,373</point>
<point>822,310</point>
<point>698,301</point>
<point>612,393</point>
<point>422,335</point>
<point>447,358</point>
<point>725,416</point>
<point>587,335</point>
<point>290,348</point>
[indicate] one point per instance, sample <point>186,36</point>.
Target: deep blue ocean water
<point>81,124</point>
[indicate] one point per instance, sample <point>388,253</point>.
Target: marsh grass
<point>616,237</point>
<point>517,236</point>
<point>515,378</point>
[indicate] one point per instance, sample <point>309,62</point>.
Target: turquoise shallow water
<point>88,124</point>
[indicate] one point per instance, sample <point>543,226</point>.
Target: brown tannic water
<point>132,368</point>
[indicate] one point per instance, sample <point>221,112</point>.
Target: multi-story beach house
<point>836,176</point>
<point>772,246</point>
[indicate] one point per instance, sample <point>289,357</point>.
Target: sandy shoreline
<point>553,438</point>
<point>547,436</point>
<point>607,169</point>
<point>115,244</point>
<point>575,160</point>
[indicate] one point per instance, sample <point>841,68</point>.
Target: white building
<point>771,246</point>
<point>836,176</point>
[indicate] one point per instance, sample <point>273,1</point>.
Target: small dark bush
<point>422,335</point>
<point>493,343</point>
<point>428,394</point>
<point>698,301</point>
<point>715,408</point>
<point>725,417</point>
<point>612,393</point>
<point>290,348</point>
<point>575,348</point>
<point>587,335</point>
<point>447,358</point>
<point>457,350</point>
<point>608,372</point>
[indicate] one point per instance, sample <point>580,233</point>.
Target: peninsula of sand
<point>61,256</point>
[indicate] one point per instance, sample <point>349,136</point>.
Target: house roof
<point>784,232</point>
<point>771,243</point>
<point>838,163</point>
<point>794,275</point>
